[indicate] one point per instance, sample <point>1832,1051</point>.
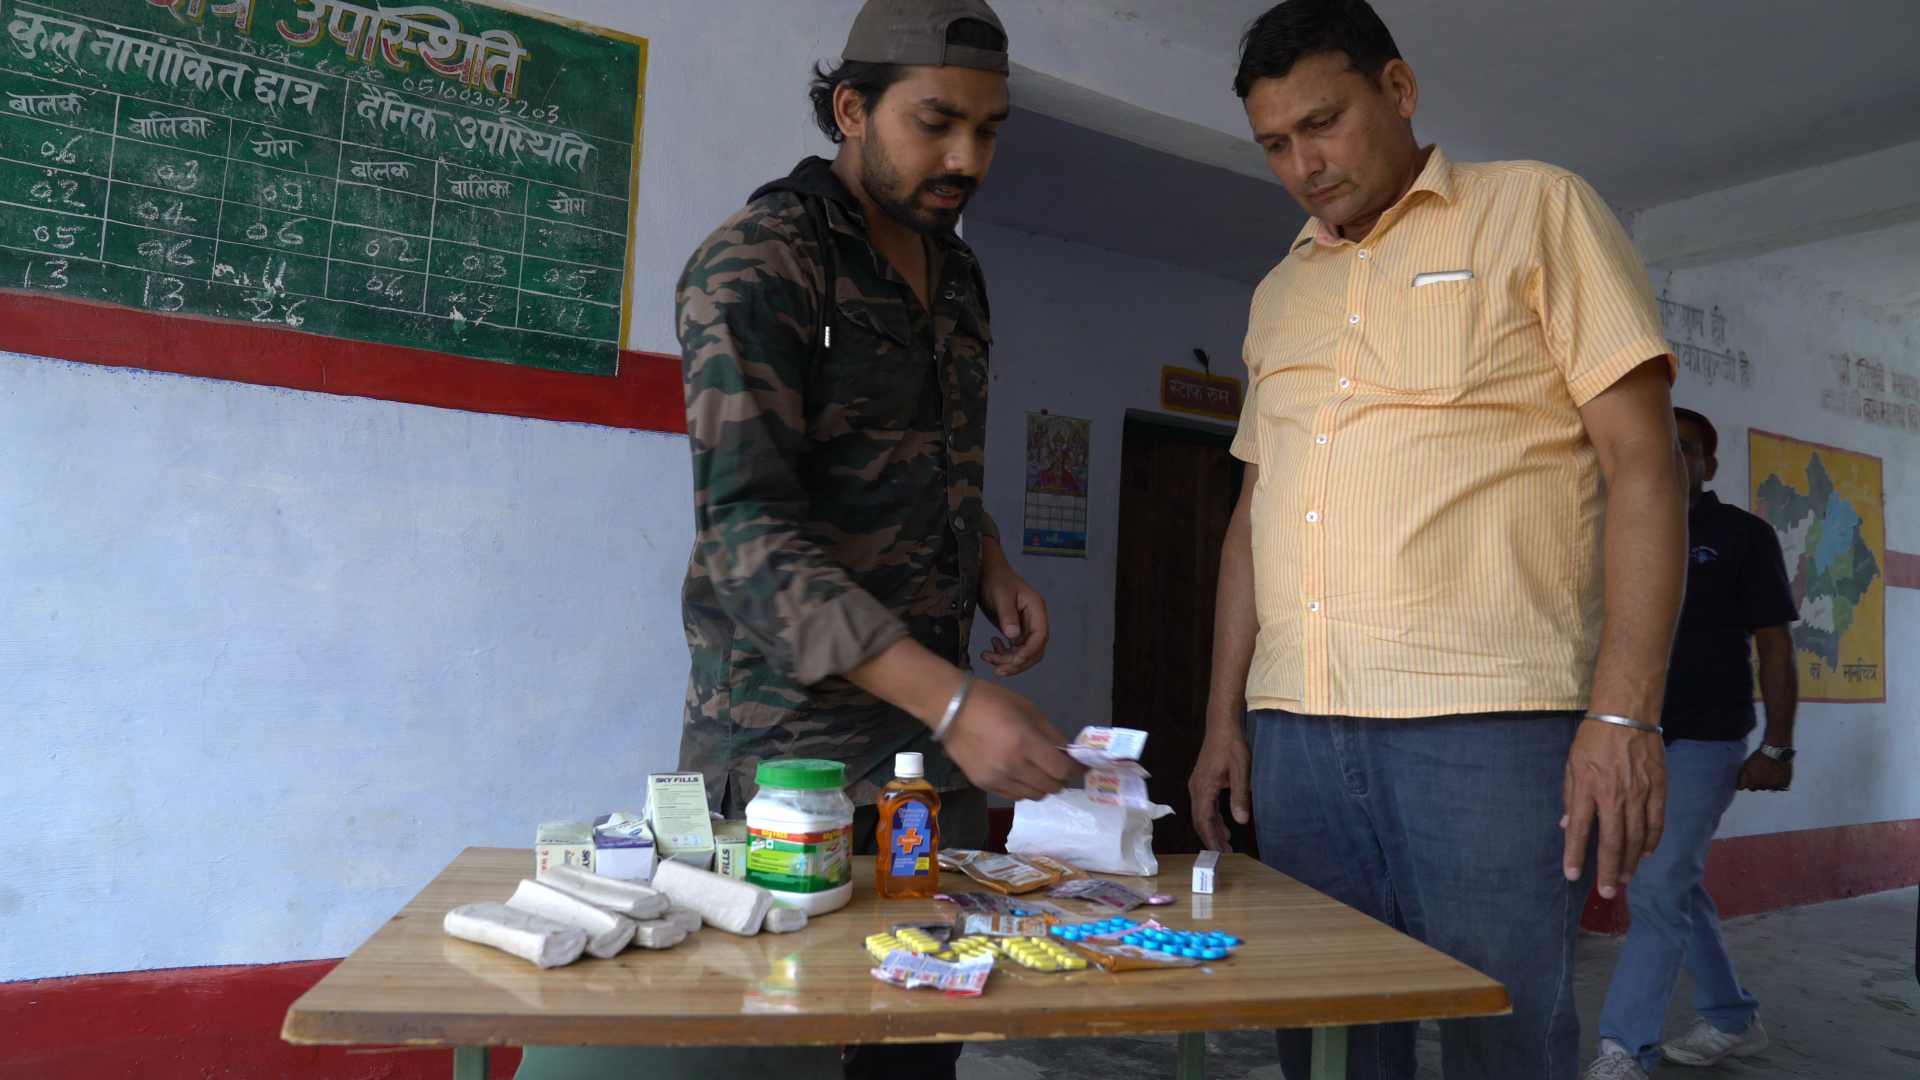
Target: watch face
<point>1779,753</point>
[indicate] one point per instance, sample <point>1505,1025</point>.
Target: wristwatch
<point>1781,754</point>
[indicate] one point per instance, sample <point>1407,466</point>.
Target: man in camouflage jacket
<point>835,336</point>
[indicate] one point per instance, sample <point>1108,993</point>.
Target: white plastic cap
<point>909,766</point>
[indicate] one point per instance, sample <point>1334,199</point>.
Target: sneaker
<point>1614,1063</point>
<point>1708,1045</point>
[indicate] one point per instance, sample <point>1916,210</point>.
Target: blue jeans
<point>1674,919</point>
<point>1446,829</point>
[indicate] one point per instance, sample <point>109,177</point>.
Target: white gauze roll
<point>608,934</point>
<point>529,937</point>
<point>659,934</point>
<point>620,897</point>
<point>727,903</point>
<point>685,918</point>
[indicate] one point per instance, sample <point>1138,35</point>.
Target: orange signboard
<point>1200,394</point>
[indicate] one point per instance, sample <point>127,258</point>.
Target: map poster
<point>1057,453</point>
<point>1828,507</point>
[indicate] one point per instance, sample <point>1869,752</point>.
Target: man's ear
<point>850,109</point>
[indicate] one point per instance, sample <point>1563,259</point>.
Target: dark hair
<point>1710,438</point>
<point>1298,29</point>
<point>871,80</point>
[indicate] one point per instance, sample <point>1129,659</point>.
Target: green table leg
<point>469,1063</point>
<point>1193,1056</point>
<point>1329,1053</point>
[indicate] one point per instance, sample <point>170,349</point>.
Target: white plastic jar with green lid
<point>800,834</point>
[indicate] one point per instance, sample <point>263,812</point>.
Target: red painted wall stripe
<point>1748,875</point>
<point>191,1024</point>
<point>644,395</point>
<point>1903,570</point>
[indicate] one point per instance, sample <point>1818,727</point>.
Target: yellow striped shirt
<point>1427,523</point>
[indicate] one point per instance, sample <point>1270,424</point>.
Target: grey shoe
<point>1614,1063</point>
<point>1708,1045</point>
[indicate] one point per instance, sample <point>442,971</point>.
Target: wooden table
<point>1308,962</point>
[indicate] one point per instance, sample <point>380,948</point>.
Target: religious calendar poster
<point>1057,456</point>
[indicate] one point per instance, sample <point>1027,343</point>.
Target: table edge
<point>336,1027</point>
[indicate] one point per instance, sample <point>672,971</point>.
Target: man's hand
<point>1020,615</point>
<point>1222,766</point>
<point>1616,778</point>
<point>1007,748</point>
<point>1762,773</point>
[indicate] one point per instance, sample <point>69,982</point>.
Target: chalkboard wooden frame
<point>635,390</point>
<point>646,394</point>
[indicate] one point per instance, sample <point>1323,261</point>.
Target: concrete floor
<point>1835,983</point>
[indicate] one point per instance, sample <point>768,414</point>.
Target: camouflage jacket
<point>837,470</point>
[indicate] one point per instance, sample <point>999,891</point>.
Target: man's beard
<point>889,192</point>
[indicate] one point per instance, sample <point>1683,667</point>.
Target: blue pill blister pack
<point>1152,937</point>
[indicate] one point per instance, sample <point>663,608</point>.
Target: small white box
<point>1203,868</point>
<point>623,847</point>
<point>563,843</point>
<point>730,849</point>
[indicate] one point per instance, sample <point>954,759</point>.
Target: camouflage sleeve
<point>746,312</point>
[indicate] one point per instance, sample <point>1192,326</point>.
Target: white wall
<point>1857,762</point>
<point>268,659</point>
<point>1083,332</point>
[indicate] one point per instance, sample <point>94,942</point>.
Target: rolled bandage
<point>785,920</point>
<point>607,934</point>
<point>659,934</point>
<point>685,918</point>
<point>731,905</point>
<point>530,937</point>
<point>620,897</point>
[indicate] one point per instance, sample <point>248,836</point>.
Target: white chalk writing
<point>46,104</point>
<point>382,170</point>
<point>30,32</point>
<point>475,187</point>
<point>270,149</point>
<point>156,126</point>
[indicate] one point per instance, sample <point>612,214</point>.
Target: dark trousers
<point>963,824</point>
<point>1447,830</point>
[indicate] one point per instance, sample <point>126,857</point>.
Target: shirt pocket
<point>968,351</point>
<point>871,377</point>
<point>1434,348</point>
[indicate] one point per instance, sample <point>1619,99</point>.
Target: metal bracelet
<point>1626,722</point>
<point>954,706</point>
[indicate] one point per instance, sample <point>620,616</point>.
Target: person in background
<point>1455,670</point>
<point>1738,598</point>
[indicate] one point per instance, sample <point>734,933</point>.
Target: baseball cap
<point>914,33</point>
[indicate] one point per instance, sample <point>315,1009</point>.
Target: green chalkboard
<point>449,175</point>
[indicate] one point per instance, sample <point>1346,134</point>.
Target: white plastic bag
<point>1074,829</point>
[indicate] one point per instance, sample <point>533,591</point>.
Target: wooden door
<point>1178,486</point>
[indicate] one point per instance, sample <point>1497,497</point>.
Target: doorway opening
<point>1178,486</point>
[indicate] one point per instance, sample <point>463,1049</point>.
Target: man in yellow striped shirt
<point>1449,591</point>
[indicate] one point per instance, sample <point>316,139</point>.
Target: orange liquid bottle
<point>908,866</point>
